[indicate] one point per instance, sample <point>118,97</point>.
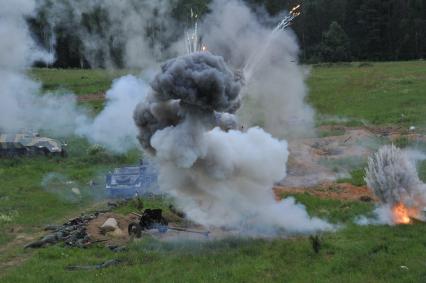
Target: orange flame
<point>401,214</point>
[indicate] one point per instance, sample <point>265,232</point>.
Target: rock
<point>76,191</point>
<point>109,225</point>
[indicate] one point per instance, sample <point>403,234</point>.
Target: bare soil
<point>91,97</point>
<point>344,191</point>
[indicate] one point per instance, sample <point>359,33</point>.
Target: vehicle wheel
<point>135,230</point>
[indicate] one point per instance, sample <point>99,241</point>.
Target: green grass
<point>78,81</point>
<point>29,204</point>
<point>356,178</point>
<point>352,254</point>
<point>385,93</point>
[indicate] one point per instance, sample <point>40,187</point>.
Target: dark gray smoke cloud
<point>219,176</point>
<point>199,84</point>
<point>201,79</point>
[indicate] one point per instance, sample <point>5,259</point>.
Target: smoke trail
<point>392,176</point>
<point>218,177</point>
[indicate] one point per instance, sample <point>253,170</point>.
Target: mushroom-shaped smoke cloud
<point>219,176</point>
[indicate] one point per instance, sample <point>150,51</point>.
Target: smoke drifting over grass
<point>113,127</point>
<point>22,105</point>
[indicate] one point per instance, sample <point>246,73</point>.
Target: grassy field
<point>77,81</point>
<point>380,93</point>
<point>353,254</point>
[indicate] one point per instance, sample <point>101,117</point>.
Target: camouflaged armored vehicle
<point>29,143</point>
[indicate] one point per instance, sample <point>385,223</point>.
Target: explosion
<point>219,176</point>
<point>394,180</point>
<point>401,214</point>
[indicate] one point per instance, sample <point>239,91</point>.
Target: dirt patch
<point>344,191</point>
<point>91,97</point>
<point>319,160</point>
<point>118,238</point>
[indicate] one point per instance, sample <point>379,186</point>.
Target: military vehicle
<point>127,182</point>
<point>29,142</point>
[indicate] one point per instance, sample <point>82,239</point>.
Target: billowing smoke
<point>219,176</point>
<point>275,90</point>
<point>392,176</point>
<point>127,33</point>
<point>113,127</point>
<point>23,106</point>
<point>20,104</point>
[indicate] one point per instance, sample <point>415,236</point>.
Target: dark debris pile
<point>72,233</point>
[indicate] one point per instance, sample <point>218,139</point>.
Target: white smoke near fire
<point>393,178</point>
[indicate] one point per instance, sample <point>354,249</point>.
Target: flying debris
<point>194,42</point>
<point>257,56</point>
<point>286,22</point>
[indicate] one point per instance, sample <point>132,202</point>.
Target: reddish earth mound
<point>91,97</point>
<point>344,191</point>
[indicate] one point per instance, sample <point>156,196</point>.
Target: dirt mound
<point>91,97</point>
<point>96,234</point>
<point>344,191</point>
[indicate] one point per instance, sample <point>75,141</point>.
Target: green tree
<point>335,44</point>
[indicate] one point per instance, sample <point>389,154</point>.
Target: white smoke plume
<point>20,104</point>
<point>393,178</point>
<point>219,177</point>
<point>136,26</point>
<point>275,90</point>
<point>23,106</point>
<point>113,127</point>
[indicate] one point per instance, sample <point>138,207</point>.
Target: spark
<point>193,41</point>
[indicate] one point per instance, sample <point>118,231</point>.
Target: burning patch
<point>393,178</point>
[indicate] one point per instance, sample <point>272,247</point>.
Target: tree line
<point>327,30</point>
